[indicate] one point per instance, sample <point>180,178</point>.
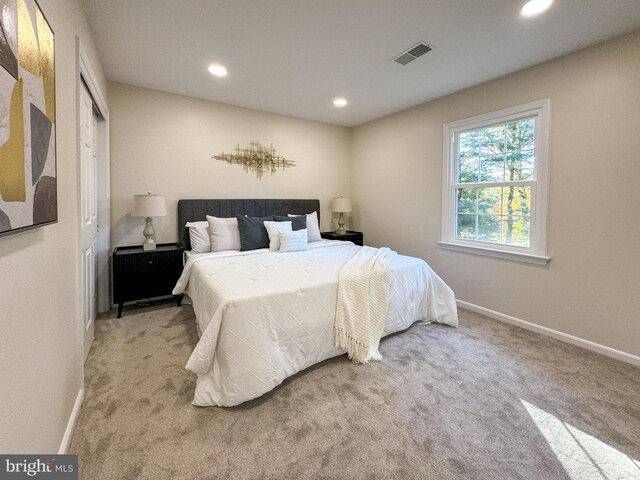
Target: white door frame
<point>104,189</point>
<point>86,74</point>
<point>88,147</point>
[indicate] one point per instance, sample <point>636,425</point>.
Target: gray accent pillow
<point>253,234</point>
<point>297,223</point>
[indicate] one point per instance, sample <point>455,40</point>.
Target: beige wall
<point>163,143</point>
<point>589,290</point>
<point>40,345</point>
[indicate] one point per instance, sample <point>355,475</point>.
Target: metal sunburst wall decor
<point>256,158</point>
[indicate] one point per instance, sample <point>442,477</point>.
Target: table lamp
<point>149,205</point>
<point>341,205</point>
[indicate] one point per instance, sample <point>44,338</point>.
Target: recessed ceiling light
<point>340,102</point>
<point>535,7</point>
<point>218,70</point>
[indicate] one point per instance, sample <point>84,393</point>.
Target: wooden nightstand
<point>350,236</point>
<point>138,274</point>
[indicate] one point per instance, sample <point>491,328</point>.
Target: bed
<point>263,316</point>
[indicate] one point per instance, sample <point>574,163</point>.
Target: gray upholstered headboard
<point>198,209</point>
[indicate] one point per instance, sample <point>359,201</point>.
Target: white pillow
<point>199,236</point>
<point>294,241</point>
<point>313,229</point>
<point>274,229</point>
<point>224,233</point>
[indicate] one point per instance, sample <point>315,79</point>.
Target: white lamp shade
<point>149,205</point>
<point>341,204</point>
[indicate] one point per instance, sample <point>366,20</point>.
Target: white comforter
<point>263,316</point>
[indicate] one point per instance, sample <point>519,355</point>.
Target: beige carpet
<point>485,401</point>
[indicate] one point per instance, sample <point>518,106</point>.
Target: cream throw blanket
<point>363,299</point>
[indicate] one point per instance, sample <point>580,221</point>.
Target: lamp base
<point>149,235</point>
<point>341,230</point>
<point>149,244</point>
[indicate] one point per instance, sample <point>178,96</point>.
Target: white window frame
<point>537,251</point>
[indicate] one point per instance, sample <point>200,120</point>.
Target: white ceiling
<point>295,56</point>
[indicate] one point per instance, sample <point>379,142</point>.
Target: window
<point>495,189</point>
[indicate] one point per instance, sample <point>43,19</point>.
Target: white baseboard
<point>564,337</point>
<point>71,424</point>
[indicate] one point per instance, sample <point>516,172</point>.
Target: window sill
<point>491,252</point>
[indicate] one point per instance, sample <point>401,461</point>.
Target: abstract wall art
<point>256,158</point>
<point>28,181</point>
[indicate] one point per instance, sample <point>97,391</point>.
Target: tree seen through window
<point>495,166</point>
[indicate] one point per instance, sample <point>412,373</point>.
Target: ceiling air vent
<point>412,53</point>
